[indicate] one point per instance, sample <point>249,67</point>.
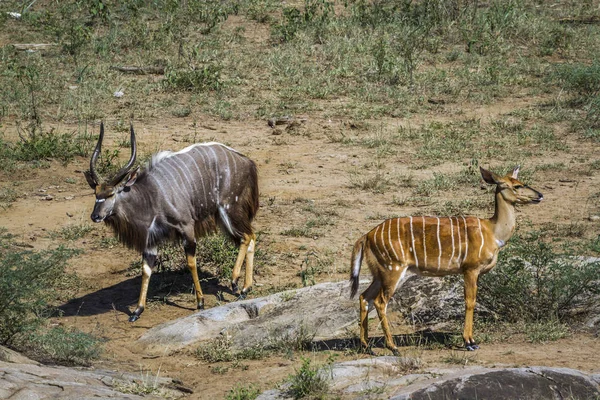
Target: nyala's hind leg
<point>366,298</point>
<point>190,253</point>
<point>246,252</point>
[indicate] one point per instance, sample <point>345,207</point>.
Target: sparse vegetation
<point>402,99</point>
<point>310,381</point>
<point>29,282</point>
<point>539,283</point>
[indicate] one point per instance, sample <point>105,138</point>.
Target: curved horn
<point>93,173</point>
<point>125,170</point>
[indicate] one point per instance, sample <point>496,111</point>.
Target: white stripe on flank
<point>459,242</point>
<point>412,235</point>
<point>375,240</point>
<point>466,239</point>
<point>400,240</point>
<point>452,236</point>
<point>200,176</point>
<point>439,243</point>
<point>383,240</point>
<point>390,241</point>
<point>424,244</point>
<point>482,239</point>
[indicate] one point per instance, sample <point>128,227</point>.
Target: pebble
<point>594,218</point>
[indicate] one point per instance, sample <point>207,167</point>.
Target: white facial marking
<point>100,200</point>
<point>500,243</point>
<point>397,268</point>
<point>390,267</point>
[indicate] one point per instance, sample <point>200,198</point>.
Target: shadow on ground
<point>123,296</point>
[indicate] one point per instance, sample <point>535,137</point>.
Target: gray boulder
<point>319,312</point>
<point>382,375</point>
<point>30,381</point>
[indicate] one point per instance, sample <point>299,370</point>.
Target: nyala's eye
<point>518,187</point>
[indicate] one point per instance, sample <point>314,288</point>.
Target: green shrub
<point>240,392</point>
<point>309,381</point>
<point>204,78</point>
<point>63,346</point>
<point>535,283</point>
<point>579,78</point>
<point>28,281</point>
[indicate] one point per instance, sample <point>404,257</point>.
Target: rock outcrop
<point>34,381</point>
<point>321,312</point>
<point>382,375</point>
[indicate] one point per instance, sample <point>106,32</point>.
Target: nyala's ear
<point>515,173</point>
<point>90,180</point>
<point>489,176</point>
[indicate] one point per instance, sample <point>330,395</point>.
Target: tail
<point>357,257</point>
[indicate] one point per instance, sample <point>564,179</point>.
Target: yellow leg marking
<point>146,273</point>
<point>240,259</point>
<point>249,263</point>
<point>191,262</point>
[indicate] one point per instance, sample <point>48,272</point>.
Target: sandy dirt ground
<point>304,174</point>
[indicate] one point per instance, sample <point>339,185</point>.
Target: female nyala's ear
<point>489,176</point>
<point>515,174</point>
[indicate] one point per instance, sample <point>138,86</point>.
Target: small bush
<point>309,381</point>
<point>535,283</point>
<point>28,281</point>
<point>579,78</point>
<point>240,392</point>
<point>63,346</point>
<point>204,78</point>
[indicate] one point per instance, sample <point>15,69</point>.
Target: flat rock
<point>30,381</point>
<point>381,375</point>
<point>319,312</point>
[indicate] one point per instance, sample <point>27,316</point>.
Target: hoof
<point>200,305</point>
<point>242,296</point>
<point>136,314</point>
<point>471,347</point>
<point>234,287</point>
